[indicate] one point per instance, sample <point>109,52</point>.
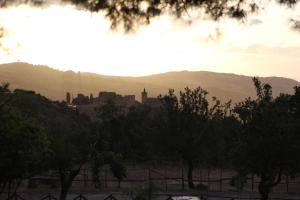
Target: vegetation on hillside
<point>54,83</point>
<point>258,136</point>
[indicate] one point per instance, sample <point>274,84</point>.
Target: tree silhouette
<point>295,103</point>
<point>69,135</point>
<point>259,136</point>
<point>111,142</point>
<point>132,12</point>
<point>24,143</point>
<point>188,134</point>
<point>265,144</point>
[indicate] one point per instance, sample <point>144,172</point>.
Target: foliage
<point>258,136</point>
<point>62,130</point>
<point>133,12</point>
<point>23,144</point>
<point>110,141</point>
<point>191,130</point>
<point>265,144</point>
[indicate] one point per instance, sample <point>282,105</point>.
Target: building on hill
<point>68,98</point>
<point>102,98</point>
<point>88,104</point>
<point>80,100</point>
<point>144,95</point>
<point>150,101</point>
<point>129,98</point>
<point>109,96</point>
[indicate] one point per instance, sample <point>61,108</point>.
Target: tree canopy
<point>132,12</point>
<point>257,136</point>
<point>267,139</point>
<point>24,144</point>
<point>38,135</point>
<point>191,132</point>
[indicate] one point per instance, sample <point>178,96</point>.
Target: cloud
<point>32,3</point>
<point>214,36</point>
<point>261,49</point>
<point>254,22</point>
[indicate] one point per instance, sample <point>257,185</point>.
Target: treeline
<point>38,135</point>
<point>257,136</point>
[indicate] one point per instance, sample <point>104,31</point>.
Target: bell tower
<point>144,95</point>
<point>68,98</point>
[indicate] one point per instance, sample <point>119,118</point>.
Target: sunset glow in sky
<point>69,39</point>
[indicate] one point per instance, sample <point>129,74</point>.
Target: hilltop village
<point>88,104</point>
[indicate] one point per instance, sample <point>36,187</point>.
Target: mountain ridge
<point>54,83</point>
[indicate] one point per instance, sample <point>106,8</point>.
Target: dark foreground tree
<point>294,104</point>
<point>71,146</point>
<point>32,125</point>
<point>143,128</point>
<point>23,144</point>
<point>265,144</point>
<point>188,135</point>
<point>69,134</point>
<point>132,12</point>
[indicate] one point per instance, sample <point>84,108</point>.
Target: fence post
<point>149,184</point>
<point>182,178</point>
<point>201,177</point>
<point>199,181</point>
<point>85,177</point>
<point>105,178</point>
<point>239,184</point>
<point>166,179</point>
<point>221,176</point>
<point>208,179</point>
<point>252,182</point>
<point>287,183</point>
<point>8,193</point>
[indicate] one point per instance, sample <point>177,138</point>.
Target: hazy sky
<point>68,39</point>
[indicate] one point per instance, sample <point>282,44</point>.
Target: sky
<point>66,38</point>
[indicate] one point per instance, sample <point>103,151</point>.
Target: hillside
<point>54,83</point>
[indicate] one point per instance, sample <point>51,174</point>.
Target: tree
<point>188,133</point>
<point>111,121</point>
<point>73,140</point>
<point>295,103</point>
<point>23,144</point>
<point>111,142</point>
<point>143,128</point>
<point>68,131</point>
<point>222,127</point>
<point>265,145</point>
<point>132,12</point>
<point>4,95</point>
<point>294,106</point>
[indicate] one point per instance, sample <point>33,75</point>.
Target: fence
<point>198,196</point>
<point>174,178</point>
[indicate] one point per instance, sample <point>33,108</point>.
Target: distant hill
<point>54,83</point>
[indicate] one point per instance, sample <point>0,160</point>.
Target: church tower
<point>144,96</point>
<point>68,98</point>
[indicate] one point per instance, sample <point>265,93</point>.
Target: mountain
<point>54,83</point>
